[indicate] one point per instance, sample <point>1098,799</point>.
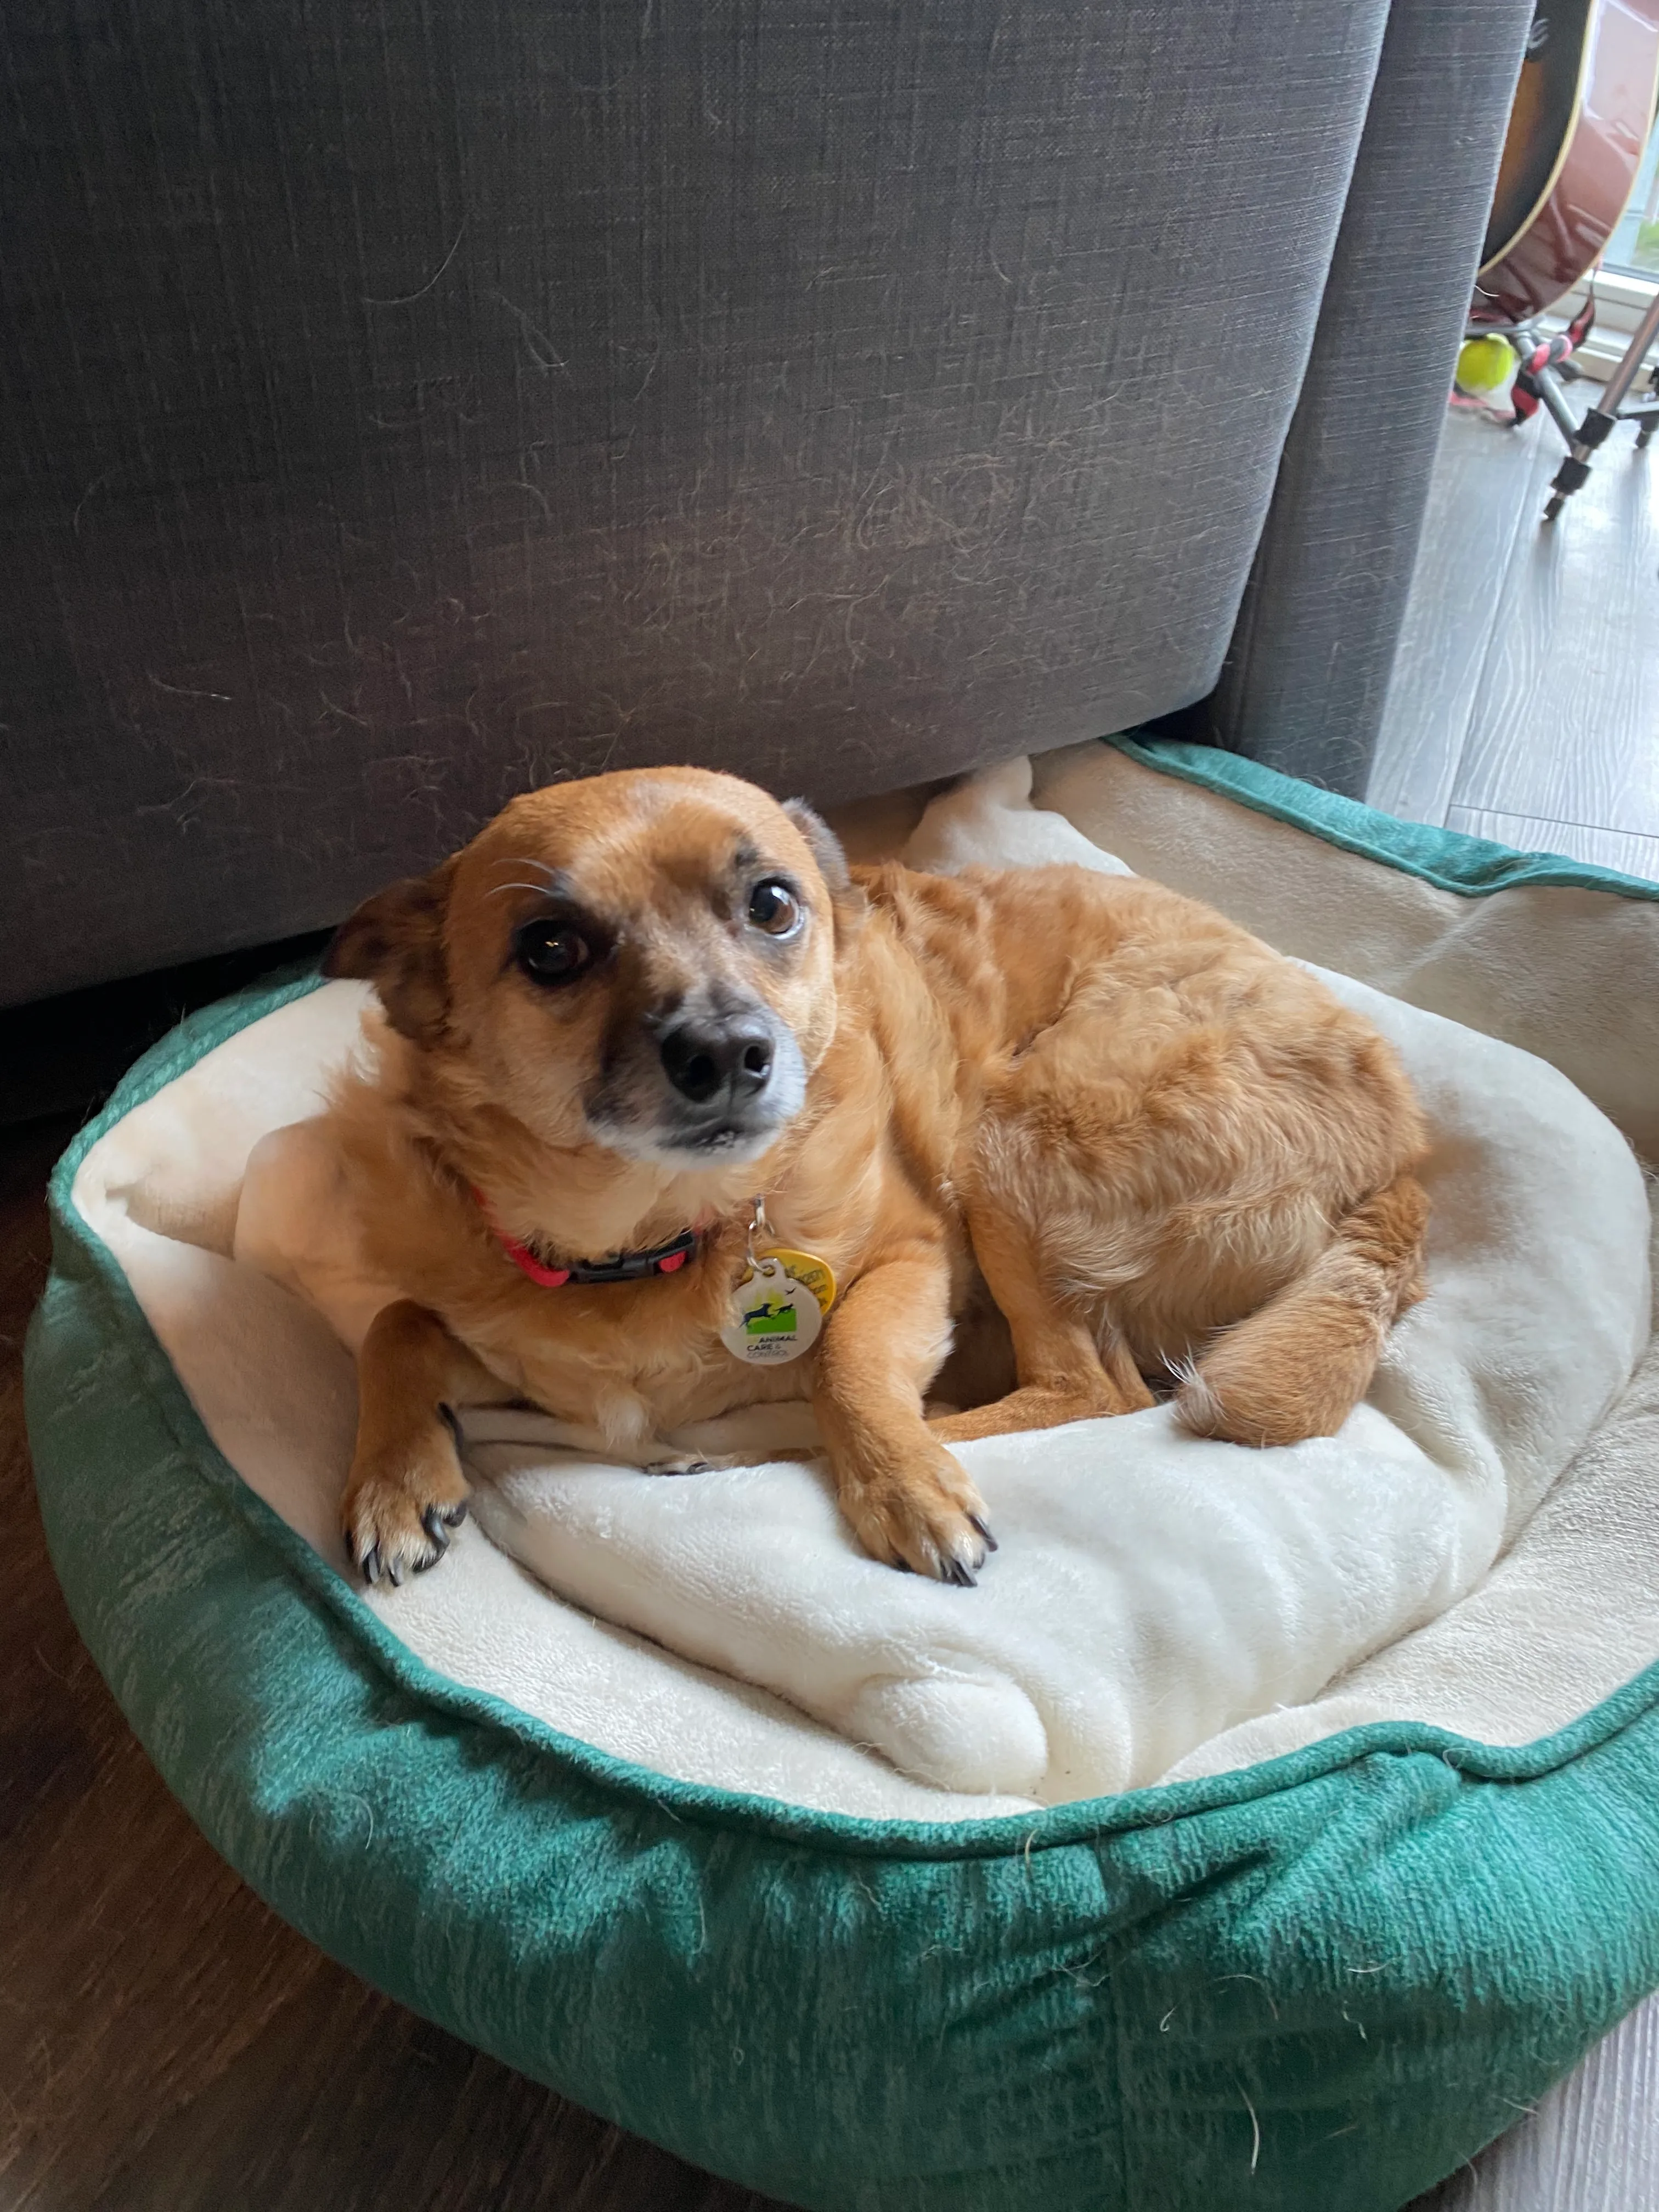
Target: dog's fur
<point>1075,1103</point>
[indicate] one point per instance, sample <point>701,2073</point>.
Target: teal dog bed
<point>1320,1977</point>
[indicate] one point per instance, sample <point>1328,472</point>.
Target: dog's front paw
<point>399,1508</point>
<point>925,1515</point>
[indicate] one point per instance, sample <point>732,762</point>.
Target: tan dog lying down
<point>1086,1126</point>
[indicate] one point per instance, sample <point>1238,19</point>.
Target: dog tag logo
<point>774,1317</point>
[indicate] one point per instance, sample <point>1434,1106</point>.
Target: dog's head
<point>645,960</point>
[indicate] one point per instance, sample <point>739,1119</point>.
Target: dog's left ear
<point>395,941</point>
<point>849,901</point>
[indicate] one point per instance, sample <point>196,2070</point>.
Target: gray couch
<point>408,404</point>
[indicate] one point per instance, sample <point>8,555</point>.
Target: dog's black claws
<point>991,1544</point>
<point>370,1563</point>
<point>394,1567</point>
<point>432,1521</point>
<point>956,1573</point>
<point>455,1515</point>
<point>452,1422</point>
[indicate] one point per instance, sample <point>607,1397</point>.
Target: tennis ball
<point>1486,364</point>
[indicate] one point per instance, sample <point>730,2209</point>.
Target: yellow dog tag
<point>809,1270</point>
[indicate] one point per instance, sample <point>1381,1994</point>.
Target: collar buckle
<point>633,1266</point>
<point>620,1268</point>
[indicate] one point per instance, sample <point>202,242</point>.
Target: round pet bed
<point>1320,1967</point>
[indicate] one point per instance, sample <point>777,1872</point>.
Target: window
<point>1634,246</point>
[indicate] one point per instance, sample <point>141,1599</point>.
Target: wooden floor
<point>167,2045</point>
<point>1525,701</point>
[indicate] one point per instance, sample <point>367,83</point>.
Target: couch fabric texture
<point>405,406</point>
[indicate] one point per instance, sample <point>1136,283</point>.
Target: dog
<point>1084,1128</point>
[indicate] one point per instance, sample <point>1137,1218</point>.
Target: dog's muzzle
<point>708,1082</point>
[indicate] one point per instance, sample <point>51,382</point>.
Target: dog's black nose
<point>717,1057</point>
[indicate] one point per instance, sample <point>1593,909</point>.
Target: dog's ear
<point>848,900</point>
<point>395,941</point>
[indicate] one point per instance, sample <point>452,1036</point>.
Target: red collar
<point>620,1266</point>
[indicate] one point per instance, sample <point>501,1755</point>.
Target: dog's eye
<point>551,951</point>
<point>774,908</point>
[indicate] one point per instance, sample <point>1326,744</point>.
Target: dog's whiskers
<point>544,869</point>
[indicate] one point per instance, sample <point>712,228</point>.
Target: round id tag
<point>775,1317</point>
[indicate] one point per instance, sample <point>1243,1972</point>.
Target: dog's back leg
<point>1298,1366</point>
<point>1063,1374</point>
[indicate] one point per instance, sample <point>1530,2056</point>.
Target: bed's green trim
<point>1473,867</point>
<point>1373,1950</point>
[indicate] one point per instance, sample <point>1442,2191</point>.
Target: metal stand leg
<point>1598,423</point>
<point>1554,398</point>
<point>1646,419</point>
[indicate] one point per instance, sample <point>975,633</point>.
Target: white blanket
<point>1152,1593</point>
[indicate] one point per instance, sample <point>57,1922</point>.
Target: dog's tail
<point>1298,1365</point>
